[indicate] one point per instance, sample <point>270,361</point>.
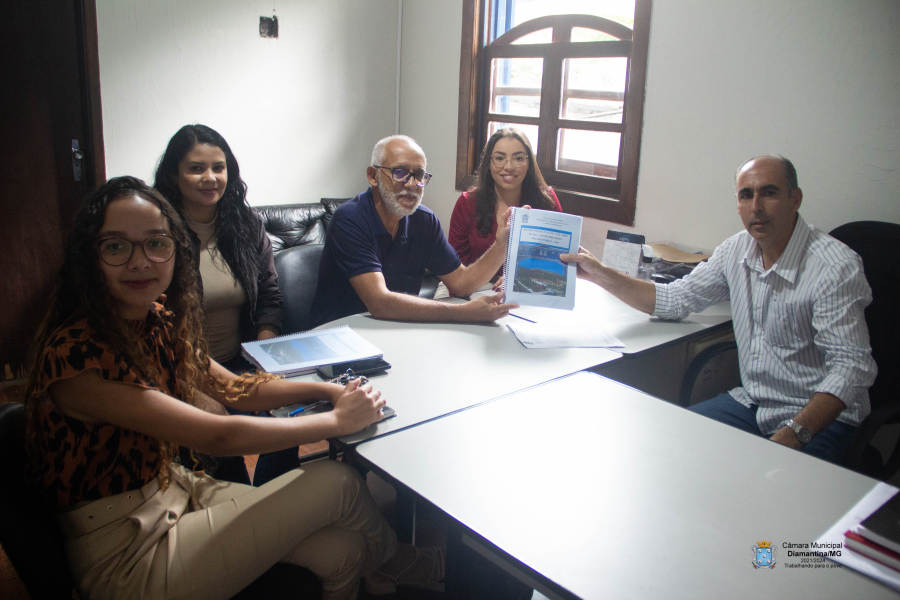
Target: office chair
<point>32,541</point>
<point>430,284</point>
<point>28,532</point>
<point>878,244</point>
<point>713,371</point>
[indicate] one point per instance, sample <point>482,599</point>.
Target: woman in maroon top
<point>507,176</point>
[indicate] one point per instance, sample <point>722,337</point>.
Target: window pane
<point>531,132</point>
<point>542,36</point>
<point>516,86</point>
<point>594,89</point>
<point>621,11</point>
<point>593,153</point>
<point>583,34</point>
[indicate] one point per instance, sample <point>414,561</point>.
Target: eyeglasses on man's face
<point>517,160</point>
<point>117,251</point>
<point>401,175</point>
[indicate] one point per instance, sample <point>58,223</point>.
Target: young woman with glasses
<point>507,176</point>
<point>122,377</point>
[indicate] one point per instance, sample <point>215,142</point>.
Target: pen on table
<point>520,317</point>
<point>307,407</point>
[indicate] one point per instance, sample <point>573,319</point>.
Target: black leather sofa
<point>297,232</point>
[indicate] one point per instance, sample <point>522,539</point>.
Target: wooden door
<point>50,97</point>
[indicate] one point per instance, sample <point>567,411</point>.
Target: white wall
<point>816,81</point>
<point>429,93</point>
<point>300,112</point>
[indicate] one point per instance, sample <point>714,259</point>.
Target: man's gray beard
<point>392,201</point>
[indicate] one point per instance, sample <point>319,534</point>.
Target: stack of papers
<point>564,335</point>
<point>878,536</point>
<point>870,503</point>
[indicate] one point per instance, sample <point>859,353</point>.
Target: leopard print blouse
<point>89,461</point>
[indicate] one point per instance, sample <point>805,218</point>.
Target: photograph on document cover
<point>538,268</point>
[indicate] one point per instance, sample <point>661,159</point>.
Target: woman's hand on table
<point>335,391</point>
<point>497,286</point>
<point>357,407</point>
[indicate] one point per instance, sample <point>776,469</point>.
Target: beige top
<point>223,296</point>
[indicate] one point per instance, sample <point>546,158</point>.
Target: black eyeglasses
<point>402,175</point>
<point>117,251</point>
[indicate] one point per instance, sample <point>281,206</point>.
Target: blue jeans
<point>829,444</point>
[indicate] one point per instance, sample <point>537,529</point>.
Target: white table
<point>439,368</point>
<point>637,330</point>
<point>643,499</point>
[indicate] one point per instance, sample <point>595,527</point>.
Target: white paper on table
<point>564,335</point>
<point>871,502</point>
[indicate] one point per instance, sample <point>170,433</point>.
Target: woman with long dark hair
<point>122,377</point>
<point>199,174</point>
<point>508,176</point>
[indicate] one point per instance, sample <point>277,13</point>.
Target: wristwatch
<point>803,434</point>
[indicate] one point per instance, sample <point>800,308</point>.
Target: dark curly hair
<point>81,292</point>
<point>236,223</point>
<point>533,186</point>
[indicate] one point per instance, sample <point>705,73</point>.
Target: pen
<point>520,317</point>
<point>307,407</point>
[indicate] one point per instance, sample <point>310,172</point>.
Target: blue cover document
<point>534,275</point>
<point>300,353</point>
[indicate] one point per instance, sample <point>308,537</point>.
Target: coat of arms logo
<point>763,555</point>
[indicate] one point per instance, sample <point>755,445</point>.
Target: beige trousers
<point>202,538</point>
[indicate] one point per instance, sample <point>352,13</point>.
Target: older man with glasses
<point>380,243</point>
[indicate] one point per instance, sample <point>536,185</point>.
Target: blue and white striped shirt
<point>800,326</point>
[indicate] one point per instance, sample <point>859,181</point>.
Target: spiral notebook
<point>300,353</point>
<point>534,275</point>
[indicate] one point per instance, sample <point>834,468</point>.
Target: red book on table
<point>883,525</point>
<point>870,549</point>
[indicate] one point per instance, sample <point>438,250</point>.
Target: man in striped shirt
<point>797,299</point>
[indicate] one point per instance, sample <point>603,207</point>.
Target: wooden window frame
<point>598,197</point>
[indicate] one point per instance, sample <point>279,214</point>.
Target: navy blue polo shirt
<point>358,243</point>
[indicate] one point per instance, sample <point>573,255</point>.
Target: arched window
<point>575,85</point>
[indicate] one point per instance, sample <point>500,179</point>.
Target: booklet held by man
<point>302,353</point>
<point>534,275</point>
